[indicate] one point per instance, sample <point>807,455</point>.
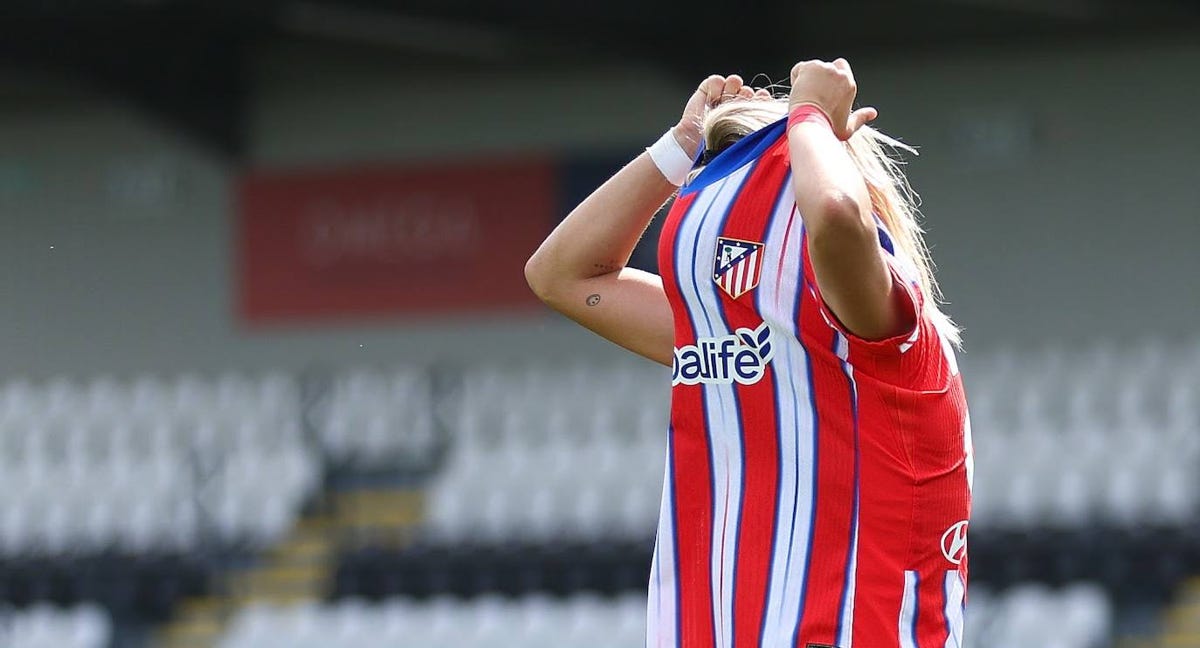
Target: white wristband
<point>670,158</point>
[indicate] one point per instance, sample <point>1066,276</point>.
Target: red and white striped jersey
<point>817,487</point>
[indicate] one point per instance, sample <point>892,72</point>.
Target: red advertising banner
<point>379,241</point>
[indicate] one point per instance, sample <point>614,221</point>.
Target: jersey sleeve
<point>904,279</point>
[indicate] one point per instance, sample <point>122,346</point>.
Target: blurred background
<point>272,377</point>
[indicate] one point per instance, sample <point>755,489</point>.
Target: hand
<point>831,88</point>
<point>711,92</point>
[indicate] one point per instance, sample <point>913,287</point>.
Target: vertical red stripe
<point>692,503</point>
<point>832,535</point>
<point>885,523</point>
<point>931,625</point>
<point>748,221</point>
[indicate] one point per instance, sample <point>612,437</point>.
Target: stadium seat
<point>41,626</point>
<point>540,458</point>
<point>555,464</point>
<point>1077,616</point>
<point>379,419</point>
<point>112,465</point>
<point>1060,442</point>
<point>531,622</point>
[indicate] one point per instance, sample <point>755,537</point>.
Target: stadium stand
<point>1078,616</point>
<point>379,419</point>
<point>136,466</point>
<point>547,455</point>
<point>1071,442</point>
<point>531,622</point>
<point>130,494</point>
<point>1105,435</point>
<point>522,502</point>
<point>42,626</point>
<point>1085,473</point>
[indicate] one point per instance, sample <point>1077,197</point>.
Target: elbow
<point>540,278</point>
<point>838,215</point>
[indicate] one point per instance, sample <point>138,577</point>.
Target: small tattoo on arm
<point>593,299</point>
<point>606,267</point>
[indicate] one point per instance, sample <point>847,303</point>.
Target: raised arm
<point>851,271</point>
<point>580,269</point>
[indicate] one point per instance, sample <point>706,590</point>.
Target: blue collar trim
<point>735,157</point>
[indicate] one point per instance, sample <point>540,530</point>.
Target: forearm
<point>599,235</point>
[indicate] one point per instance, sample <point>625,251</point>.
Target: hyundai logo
<point>954,542</point>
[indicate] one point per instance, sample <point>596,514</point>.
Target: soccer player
<point>818,474</point>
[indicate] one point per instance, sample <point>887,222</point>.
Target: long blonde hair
<point>877,157</point>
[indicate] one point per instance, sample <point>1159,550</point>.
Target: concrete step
<point>203,607</point>
<point>1184,618</point>
<point>297,570</point>
<point>381,508</point>
<point>200,622</point>
<point>302,549</point>
<point>292,579</point>
<point>276,599</point>
<point>192,633</point>
<point>1180,640</point>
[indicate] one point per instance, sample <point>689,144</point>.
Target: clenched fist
<point>831,88</point>
<point>709,94</point>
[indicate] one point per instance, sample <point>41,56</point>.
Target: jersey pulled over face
<point>817,487</point>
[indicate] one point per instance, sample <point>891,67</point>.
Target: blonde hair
<point>877,157</point>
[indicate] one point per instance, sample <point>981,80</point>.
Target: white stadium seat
<point>112,464</point>
<point>380,419</point>
<point>1063,438</point>
<point>41,626</point>
<point>1078,616</point>
<point>554,452</point>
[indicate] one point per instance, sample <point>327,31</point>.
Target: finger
<point>713,87</point>
<point>762,93</point>
<point>693,111</point>
<point>746,92</point>
<point>860,118</point>
<point>733,84</point>
<point>841,64</point>
<point>713,83</point>
<point>798,68</point>
<point>708,81</point>
<point>697,100</point>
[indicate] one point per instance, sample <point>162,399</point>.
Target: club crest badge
<point>738,266</point>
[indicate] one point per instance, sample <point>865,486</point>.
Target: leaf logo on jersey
<point>740,358</point>
<point>738,266</point>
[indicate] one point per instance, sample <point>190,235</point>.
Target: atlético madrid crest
<point>738,266</point>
